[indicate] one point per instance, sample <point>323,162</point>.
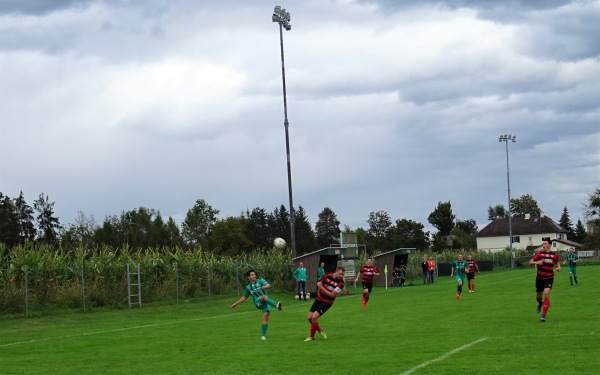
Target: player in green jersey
<point>460,267</point>
<point>573,259</point>
<point>257,288</point>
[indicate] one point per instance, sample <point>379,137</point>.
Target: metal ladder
<point>134,289</point>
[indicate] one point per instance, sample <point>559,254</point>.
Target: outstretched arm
<point>233,305</point>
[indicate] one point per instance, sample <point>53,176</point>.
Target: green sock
<point>264,329</point>
<point>459,289</point>
<point>270,302</point>
<point>571,279</point>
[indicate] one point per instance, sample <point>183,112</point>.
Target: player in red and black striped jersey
<point>471,273</point>
<point>545,261</point>
<point>368,270</point>
<point>330,285</point>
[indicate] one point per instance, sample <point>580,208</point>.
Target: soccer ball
<point>279,242</point>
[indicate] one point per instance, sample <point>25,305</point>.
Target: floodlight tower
<point>507,138</point>
<point>282,17</point>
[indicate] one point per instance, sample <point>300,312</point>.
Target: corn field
<point>36,277</point>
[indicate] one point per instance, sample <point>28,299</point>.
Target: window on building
<point>516,239</point>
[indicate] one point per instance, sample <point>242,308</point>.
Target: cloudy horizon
<point>107,106</point>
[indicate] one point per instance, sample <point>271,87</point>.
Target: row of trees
<point>254,230</point>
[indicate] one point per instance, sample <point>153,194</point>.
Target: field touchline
<point>446,355</point>
<point>130,328</point>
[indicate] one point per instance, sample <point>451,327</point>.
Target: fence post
<point>25,270</point>
<point>83,287</point>
<point>177,280</point>
<point>208,277</point>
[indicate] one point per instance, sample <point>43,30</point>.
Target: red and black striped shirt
<point>472,264</point>
<point>546,269</point>
<point>367,273</point>
<point>329,283</point>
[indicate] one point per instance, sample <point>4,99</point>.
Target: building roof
<point>521,226</point>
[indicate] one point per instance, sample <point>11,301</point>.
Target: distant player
<point>257,288</point>
<point>459,270</point>
<point>573,259</point>
<point>330,285</point>
<point>471,273</point>
<point>545,261</point>
<point>368,270</point>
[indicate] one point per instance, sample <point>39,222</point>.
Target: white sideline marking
<point>124,329</point>
<point>425,364</point>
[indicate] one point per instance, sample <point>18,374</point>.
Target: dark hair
<point>341,268</point>
<point>249,272</point>
<point>546,239</point>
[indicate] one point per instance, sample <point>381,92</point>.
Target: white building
<point>527,232</point>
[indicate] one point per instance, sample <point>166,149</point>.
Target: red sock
<point>473,286</point>
<point>313,328</point>
<point>546,306</point>
<point>539,300</point>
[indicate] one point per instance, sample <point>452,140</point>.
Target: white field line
<point>129,328</point>
<point>446,355</point>
<point>441,358</point>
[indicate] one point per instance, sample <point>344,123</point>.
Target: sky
<point>111,105</point>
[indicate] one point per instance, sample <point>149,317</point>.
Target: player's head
<point>369,261</point>
<point>469,257</point>
<point>301,264</point>
<point>546,241</point>
<point>460,256</point>
<point>339,273</point>
<point>251,275</point>
<point>572,250</point>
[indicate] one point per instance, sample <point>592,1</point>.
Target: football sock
<point>571,280</point>
<point>546,306</point>
<point>459,289</point>
<point>576,282</point>
<point>270,302</point>
<point>314,327</point>
<point>473,286</point>
<point>264,329</point>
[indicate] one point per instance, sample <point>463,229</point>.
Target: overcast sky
<point>106,106</point>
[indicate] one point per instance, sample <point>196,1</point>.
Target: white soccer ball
<point>307,295</point>
<point>279,242</point>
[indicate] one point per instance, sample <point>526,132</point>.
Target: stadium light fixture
<point>506,138</point>
<point>282,17</point>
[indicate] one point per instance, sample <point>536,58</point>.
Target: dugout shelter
<point>390,259</point>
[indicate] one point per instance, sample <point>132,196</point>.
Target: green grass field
<point>412,330</point>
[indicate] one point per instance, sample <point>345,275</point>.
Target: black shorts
<point>471,276</point>
<point>368,286</point>
<point>541,284</point>
<point>320,306</point>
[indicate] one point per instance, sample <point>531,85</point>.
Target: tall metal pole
<point>282,17</point>
<point>506,138</point>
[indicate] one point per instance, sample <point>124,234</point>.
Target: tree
<point>519,207</point>
<point>48,224</point>
<point>24,214</point>
<point>380,226</point>
<point>198,223</point>
<point>279,222</point>
<point>592,216</point>
<point>579,234</point>
<point>327,228</point>
<point>566,223</point>
<point>9,222</point>
<point>496,212</point>
<point>465,234</point>
<point>228,237</point>
<point>305,236</point>
<point>442,218</point>
<point>257,228</point>
<point>409,233</point>
<point>80,233</point>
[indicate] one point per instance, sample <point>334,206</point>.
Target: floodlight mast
<point>282,17</point>
<point>507,138</point>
